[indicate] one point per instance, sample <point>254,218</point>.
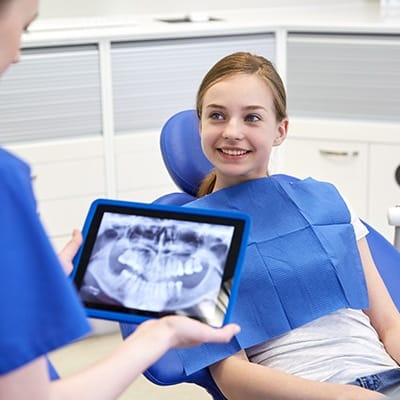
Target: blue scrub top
<point>39,309</point>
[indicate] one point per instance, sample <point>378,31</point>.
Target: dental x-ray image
<point>159,265</point>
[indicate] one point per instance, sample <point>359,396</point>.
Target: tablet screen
<point>147,260</point>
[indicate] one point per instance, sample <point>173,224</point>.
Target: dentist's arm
<point>109,377</point>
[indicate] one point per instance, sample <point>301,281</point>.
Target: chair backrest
<point>187,166</point>
<point>181,151</point>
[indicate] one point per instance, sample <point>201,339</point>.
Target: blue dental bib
<point>301,262</point>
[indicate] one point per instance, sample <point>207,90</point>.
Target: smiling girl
<point>317,321</point>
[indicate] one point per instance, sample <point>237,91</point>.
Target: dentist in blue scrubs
<point>39,310</point>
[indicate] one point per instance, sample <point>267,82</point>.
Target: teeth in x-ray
<point>159,273</point>
<point>133,259</point>
<point>166,267</point>
<point>178,289</point>
<point>171,285</point>
<point>180,270</point>
<point>192,266</point>
<point>142,294</point>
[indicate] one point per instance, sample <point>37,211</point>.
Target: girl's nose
<point>232,131</point>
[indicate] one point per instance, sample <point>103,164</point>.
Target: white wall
<point>77,8</point>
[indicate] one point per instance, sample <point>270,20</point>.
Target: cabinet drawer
<point>342,163</point>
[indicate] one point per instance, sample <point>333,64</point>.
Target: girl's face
<point>15,17</point>
<point>239,128</point>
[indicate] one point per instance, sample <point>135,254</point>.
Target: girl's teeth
<point>234,152</point>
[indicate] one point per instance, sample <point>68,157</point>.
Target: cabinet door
<point>67,177</point>
<point>344,76</point>
<point>53,93</point>
<point>140,171</point>
<point>342,163</point>
<point>154,79</point>
<point>384,190</point>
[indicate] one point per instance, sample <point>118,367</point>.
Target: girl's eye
<point>252,118</point>
<point>216,116</point>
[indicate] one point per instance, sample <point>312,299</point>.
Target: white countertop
<point>362,18</point>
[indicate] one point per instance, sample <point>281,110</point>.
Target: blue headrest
<point>182,153</point>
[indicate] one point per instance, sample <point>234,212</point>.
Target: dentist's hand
<point>67,254</point>
<point>179,331</point>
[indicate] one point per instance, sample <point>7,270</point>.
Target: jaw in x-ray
<point>156,265</point>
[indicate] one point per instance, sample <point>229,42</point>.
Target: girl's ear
<point>281,132</point>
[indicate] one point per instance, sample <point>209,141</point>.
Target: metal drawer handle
<point>339,153</point>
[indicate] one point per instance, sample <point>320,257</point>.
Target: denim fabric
<point>387,382</point>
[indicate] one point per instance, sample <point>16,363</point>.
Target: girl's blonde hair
<point>241,63</point>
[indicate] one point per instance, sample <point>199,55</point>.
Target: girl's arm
<point>240,379</point>
<point>382,312</point>
<point>108,378</point>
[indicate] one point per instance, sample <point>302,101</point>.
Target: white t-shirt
<point>338,347</point>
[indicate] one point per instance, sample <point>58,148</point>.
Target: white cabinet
<point>363,172</point>
<point>54,112</point>
<point>67,176</point>
<point>345,164</point>
<point>140,171</point>
<point>345,88</point>
<point>52,109</point>
<point>51,115</point>
<point>360,158</point>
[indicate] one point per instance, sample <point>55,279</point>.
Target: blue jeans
<point>387,383</point>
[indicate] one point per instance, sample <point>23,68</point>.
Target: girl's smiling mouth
<point>233,152</point>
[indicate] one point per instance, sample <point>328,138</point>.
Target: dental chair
<point>187,166</point>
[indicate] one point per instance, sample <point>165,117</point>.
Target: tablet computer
<point>141,260</point>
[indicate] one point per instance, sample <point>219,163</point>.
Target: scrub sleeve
<point>39,308</point>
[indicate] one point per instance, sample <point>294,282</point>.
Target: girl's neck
<point>222,184</point>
